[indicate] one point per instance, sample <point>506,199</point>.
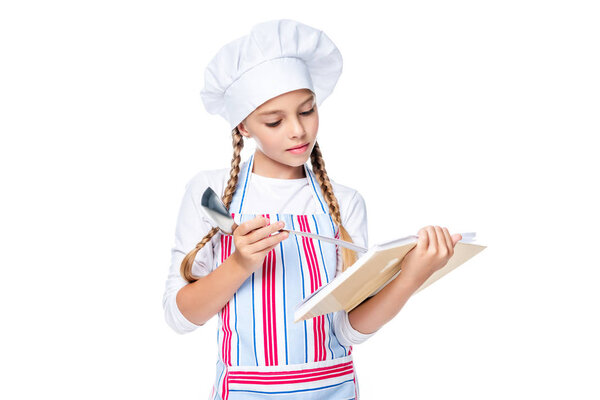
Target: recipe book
<point>372,272</point>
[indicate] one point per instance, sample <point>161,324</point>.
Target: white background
<point>478,116</point>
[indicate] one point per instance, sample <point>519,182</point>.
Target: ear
<point>242,129</point>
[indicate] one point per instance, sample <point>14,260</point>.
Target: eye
<point>308,112</point>
<point>305,113</point>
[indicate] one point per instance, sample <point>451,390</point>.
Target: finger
<point>264,232</point>
<point>273,246</point>
<point>270,241</point>
<point>441,239</point>
<point>423,241</point>
<point>273,229</point>
<point>448,240</point>
<point>456,238</point>
<point>433,245</point>
<point>249,226</point>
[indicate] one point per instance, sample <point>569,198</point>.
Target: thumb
<point>455,238</point>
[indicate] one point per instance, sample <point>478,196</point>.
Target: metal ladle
<point>219,214</point>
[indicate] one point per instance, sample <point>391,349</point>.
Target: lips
<point>297,147</point>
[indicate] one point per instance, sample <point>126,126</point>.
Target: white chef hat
<point>276,57</point>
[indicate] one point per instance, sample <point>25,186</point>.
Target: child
<point>268,85</point>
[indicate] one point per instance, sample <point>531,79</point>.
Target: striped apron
<point>262,353</point>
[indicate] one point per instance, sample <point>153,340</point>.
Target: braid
<point>188,261</point>
<point>349,257</point>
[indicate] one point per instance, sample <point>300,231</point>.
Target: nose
<point>296,128</point>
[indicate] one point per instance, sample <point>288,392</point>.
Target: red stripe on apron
<point>265,310</point>
<point>308,378</point>
<point>269,308</point>
<point>226,386</point>
<point>273,266</point>
<point>315,283</point>
<point>225,312</point>
<point>293,377</point>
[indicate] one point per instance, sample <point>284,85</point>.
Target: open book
<point>372,272</point>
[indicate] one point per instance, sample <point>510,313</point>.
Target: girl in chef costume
<point>268,85</point>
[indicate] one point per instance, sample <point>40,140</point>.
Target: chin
<point>297,163</point>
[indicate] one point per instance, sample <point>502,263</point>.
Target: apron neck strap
<point>243,184</point>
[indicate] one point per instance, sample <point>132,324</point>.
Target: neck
<point>267,167</point>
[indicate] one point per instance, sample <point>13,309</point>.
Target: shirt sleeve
<point>354,219</point>
<point>192,225</point>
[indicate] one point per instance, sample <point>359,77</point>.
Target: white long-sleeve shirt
<point>265,195</point>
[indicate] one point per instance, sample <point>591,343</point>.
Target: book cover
<point>372,271</point>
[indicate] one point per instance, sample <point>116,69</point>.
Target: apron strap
<point>237,202</point>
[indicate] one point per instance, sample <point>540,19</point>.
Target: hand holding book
<point>435,246</point>
<point>423,259</point>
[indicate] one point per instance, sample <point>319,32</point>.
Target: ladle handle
<point>342,243</point>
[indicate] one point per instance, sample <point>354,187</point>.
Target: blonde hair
<point>318,166</point>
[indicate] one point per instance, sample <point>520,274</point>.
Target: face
<point>283,122</point>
